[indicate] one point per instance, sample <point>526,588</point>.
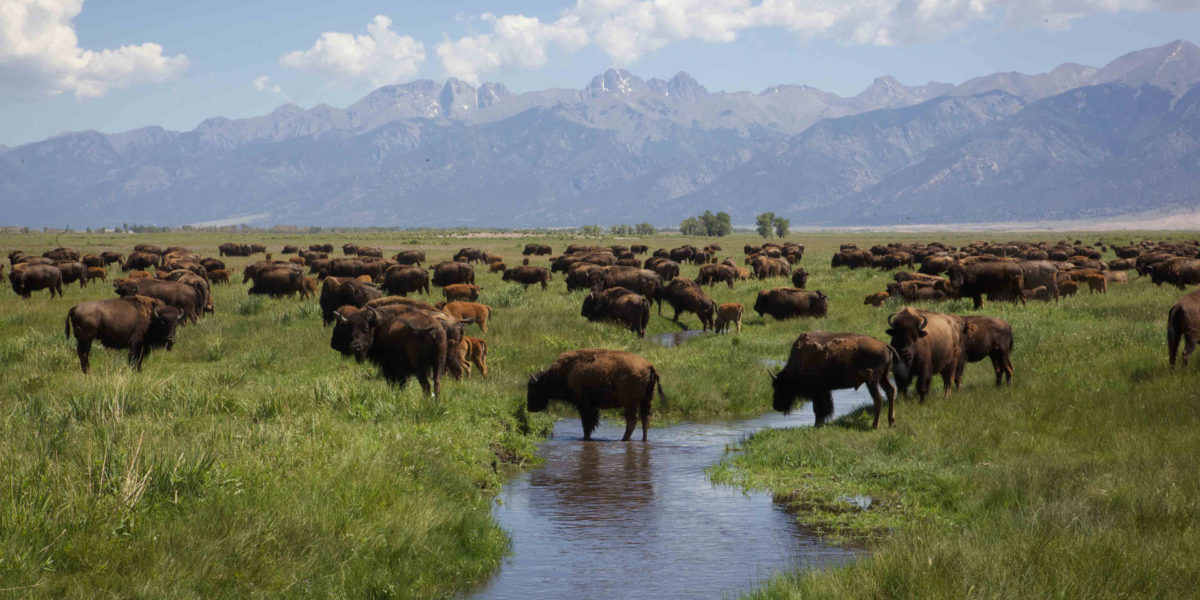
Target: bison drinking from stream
<point>594,379</point>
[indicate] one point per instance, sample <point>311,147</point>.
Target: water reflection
<point>610,519</point>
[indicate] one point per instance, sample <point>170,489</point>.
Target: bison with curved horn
<point>927,343</point>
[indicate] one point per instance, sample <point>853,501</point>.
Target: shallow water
<point>611,519</point>
<point>671,339</point>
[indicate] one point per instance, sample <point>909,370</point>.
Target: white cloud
<point>628,29</point>
<point>40,54</point>
<point>380,57</point>
<point>263,84</point>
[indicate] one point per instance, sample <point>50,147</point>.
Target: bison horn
<point>772,375</point>
<point>924,322</point>
<point>890,317</point>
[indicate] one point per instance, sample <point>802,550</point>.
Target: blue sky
<point>211,53</point>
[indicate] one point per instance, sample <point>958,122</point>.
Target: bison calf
<point>1097,283</point>
<point>730,312</point>
<point>877,299</point>
<point>467,311</point>
<point>593,379</point>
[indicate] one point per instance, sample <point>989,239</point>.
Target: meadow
<point>252,460</point>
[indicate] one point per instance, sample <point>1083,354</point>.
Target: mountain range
<point>1076,142</point>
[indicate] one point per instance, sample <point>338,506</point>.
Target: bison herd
<point>363,297</point>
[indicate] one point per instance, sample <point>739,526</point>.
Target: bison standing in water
<point>593,379</point>
<point>927,343</point>
<point>135,322</point>
<point>822,362</point>
<point>1183,322</point>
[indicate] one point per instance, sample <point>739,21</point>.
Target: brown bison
<point>527,275</point>
<point>112,257</point>
<point>277,281</point>
<point>620,305</point>
<point>973,280</point>
<point>789,303</point>
<point>1183,323</point>
<point>401,341</point>
<point>218,276</point>
<point>26,278</point>
<point>472,350</point>
<point>821,362</point>
<point>927,343</point>
<point>877,299</point>
<point>135,322</point>
<point>342,291</point>
<point>498,267</point>
<point>730,312</point>
<point>467,311</point>
<point>141,260</point>
<point>72,271</point>
<point>405,279</point>
<point>685,295</point>
<point>594,379</point>
<point>988,337</point>
<point>714,274</point>
<point>451,272</point>
<point>1177,271</point>
<point>852,258</point>
<point>1097,283</point>
<point>190,301</point>
<point>800,278</point>
<point>461,291</point>
<point>1067,288</point>
<point>94,273</point>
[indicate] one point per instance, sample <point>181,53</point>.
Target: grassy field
<point>252,460</point>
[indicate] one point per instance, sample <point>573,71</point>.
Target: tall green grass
<point>252,460</point>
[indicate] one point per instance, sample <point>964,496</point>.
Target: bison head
<point>784,393</point>
<point>820,304</point>
<point>538,392</point>
<point>163,322</point>
<point>906,327</point>
<point>362,332</point>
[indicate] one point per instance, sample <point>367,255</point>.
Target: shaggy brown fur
<point>480,313</point>
<point>593,379</point>
<point>730,312</point>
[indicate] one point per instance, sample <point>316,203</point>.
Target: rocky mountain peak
<point>613,82</point>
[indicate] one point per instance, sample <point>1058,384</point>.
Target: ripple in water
<point>612,519</point>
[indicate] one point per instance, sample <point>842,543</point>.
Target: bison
<point>26,278</point>
<point>821,362</point>
<point>342,291</point>
<point>190,301</point>
<point>472,350</point>
<point>975,279</point>
<point>593,379</point>
<point>451,272</point>
<point>467,311</point>
<point>135,322</point>
<point>461,291</point>
<point>618,304</point>
<point>988,337</point>
<point>789,303</point>
<point>526,275</point>
<point>927,343</point>
<point>402,342</point>
<point>877,299</point>
<point>1183,323</point>
<point>730,312</point>
<point>405,279</point>
<point>685,295</point>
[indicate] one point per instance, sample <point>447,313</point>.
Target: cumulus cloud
<point>628,29</point>
<point>263,84</point>
<point>380,57</point>
<point>40,54</point>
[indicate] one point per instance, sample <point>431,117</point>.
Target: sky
<point>71,65</point>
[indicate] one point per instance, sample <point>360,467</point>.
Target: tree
<point>621,230</point>
<point>692,226</point>
<point>781,226</point>
<point>645,229</point>
<point>764,223</point>
<point>591,230</point>
<point>716,225</point>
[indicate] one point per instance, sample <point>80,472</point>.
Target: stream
<point>611,519</point>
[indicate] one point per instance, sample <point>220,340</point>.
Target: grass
<point>252,460</point>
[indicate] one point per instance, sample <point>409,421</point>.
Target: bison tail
<point>67,325</point>
<point>658,385</point>
<point>1173,326</point>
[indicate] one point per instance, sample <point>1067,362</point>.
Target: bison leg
<point>631,419</point>
<point>83,348</point>
<point>822,404</point>
<point>1189,344</point>
<point>136,353</point>
<point>644,409</point>
<point>589,415</point>
<point>890,393</point>
<point>739,325</point>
